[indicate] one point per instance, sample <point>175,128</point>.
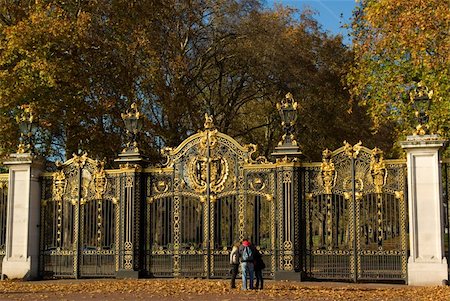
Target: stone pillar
<point>426,264</point>
<point>22,224</point>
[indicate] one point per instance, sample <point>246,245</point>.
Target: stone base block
<point>18,269</point>
<point>427,274</point>
<point>127,274</point>
<point>288,275</point>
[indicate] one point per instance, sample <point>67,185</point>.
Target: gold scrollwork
<point>197,173</point>
<point>358,195</point>
<point>213,198</point>
<point>79,161</point>
<point>378,170</point>
<point>128,257</point>
<point>348,195</point>
<point>399,195</point>
<point>59,185</point>
<point>352,151</point>
<point>100,180</point>
<point>328,172</point>
<point>161,186</point>
<point>257,183</point>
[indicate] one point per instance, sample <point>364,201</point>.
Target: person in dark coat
<point>234,262</point>
<point>259,265</point>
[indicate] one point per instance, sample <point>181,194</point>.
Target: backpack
<point>247,255</point>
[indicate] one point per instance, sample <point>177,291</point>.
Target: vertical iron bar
<point>77,226</point>
<point>208,199</point>
<point>447,197</point>
<point>355,266</point>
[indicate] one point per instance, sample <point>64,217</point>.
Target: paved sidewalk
<point>210,290</point>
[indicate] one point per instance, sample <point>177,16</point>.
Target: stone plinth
<point>22,224</point>
<point>426,264</point>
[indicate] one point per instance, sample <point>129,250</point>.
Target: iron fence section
<point>356,217</point>
<point>3,210</point>
<point>79,221</point>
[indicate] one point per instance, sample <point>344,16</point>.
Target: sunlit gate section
<point>260,208</point>
<point>79,218</point>
<point>355,210</point>
<point>198,206</point>
<point>159,223</point>
<point>3,208</point>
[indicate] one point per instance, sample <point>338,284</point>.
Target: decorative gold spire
<point>209,122</point>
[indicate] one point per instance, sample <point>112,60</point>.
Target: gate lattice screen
<point>356,216</point>
<point>344,218</point>
<point>208,197</point>
<point>79,218</point>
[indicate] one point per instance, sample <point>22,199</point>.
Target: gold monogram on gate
<point>198,173</point>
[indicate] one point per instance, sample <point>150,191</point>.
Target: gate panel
<point>260,212</point>
<point>98,239</point>
<point>213,205</point>
<point>382,222</point>
<point>58,223</point>
<point>356,225</point>
<point>159,233</point>
<point>193,232</point>
<point>260,228</point>
<point>79,217</point>
<point>330,252</point>
<point>226,230</point>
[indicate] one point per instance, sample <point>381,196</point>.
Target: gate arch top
<point>210,160</point>
<point>212,138</point>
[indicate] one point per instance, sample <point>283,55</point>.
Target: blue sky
<point>329,12</point>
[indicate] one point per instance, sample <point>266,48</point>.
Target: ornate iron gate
<point>446,202</point>
<point>3,209</point>
<point>209,195</point>
<point>79,220</point>
<point>356,224</point>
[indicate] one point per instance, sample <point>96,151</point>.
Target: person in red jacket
<point>246,251</point>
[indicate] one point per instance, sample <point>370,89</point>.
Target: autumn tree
<point>75,63</point>
<point>398,44</point>
<point>82,63</point>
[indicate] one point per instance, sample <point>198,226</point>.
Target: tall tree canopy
<point>397,44</point>
<point>81,63</point>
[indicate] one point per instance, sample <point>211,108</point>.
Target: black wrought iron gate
<point>207,198</point>
<point>356,223</point>
<point>79,218</point>
<point>343,218</point>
